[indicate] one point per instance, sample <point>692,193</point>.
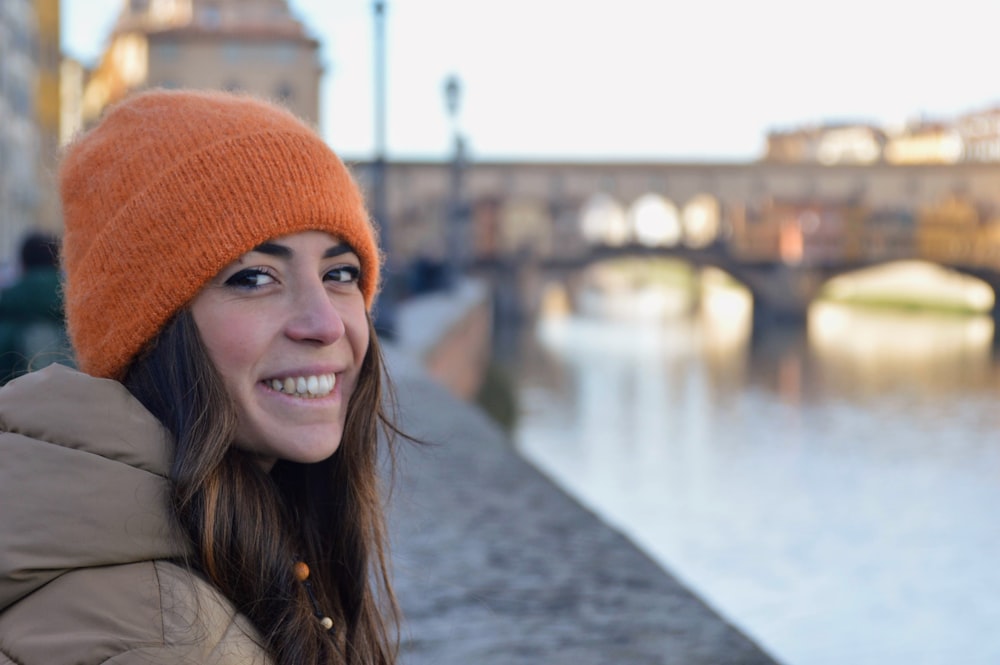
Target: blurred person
<point>205,488</point>
<point>32,332</point>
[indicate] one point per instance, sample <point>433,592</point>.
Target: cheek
<point>229,340</point>
<point>230,358</point>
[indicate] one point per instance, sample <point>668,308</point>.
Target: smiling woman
<point>285,326</point>
<point>212,469</point>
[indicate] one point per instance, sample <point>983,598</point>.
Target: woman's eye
<point>251,278</point>
<point>344,274</point>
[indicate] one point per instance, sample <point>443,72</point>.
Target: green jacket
<point>32,331</point>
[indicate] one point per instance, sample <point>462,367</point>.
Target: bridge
<point>781,229</point>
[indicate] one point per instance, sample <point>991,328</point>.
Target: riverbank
<point>495,565</point>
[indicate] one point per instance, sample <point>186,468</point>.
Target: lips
<point>310,386</point>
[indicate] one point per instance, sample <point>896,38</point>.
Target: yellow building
<point>256,46</point>
<point>47,110</point>
<point>949,231</point>
<point>925,143</point>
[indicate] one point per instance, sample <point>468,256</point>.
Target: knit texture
<point>172,186</point>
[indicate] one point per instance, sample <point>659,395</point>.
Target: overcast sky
<point>656,79</point>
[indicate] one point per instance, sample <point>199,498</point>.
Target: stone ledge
<point>494,565</point>
<point>450,334</point>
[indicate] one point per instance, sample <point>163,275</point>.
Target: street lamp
<point>456,208</point>
<point>385,312</point>
<point>452,89</point>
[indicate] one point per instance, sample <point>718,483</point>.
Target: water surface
<point>832,492</point>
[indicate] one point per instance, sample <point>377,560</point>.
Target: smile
<point>304,386</point>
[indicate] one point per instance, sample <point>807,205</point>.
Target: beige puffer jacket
<point>86,539</point>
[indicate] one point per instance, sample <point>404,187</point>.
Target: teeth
<point>305,386</point>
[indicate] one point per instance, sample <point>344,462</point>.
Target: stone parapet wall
<point>450,333</point>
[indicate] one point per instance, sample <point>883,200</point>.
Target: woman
<point>205,489</point>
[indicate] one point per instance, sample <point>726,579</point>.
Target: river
<point>832,491</point>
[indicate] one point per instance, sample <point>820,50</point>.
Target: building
<point>925,143</point>
<point>980,132</point>
<point>256,46</point>
<point>827,144</point>
<point>793,146</point>
<point>19,135</point>
<point>48,115</point>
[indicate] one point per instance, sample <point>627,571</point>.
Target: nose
<point>314,316</point>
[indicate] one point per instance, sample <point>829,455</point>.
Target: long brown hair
<point>248,527</point>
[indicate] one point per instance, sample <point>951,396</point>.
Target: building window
<point>210,16</point>
<point>284,53</point>
<point>233,52</point>
<point>167,52</point>
<point>284,92</point>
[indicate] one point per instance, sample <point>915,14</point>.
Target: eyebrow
<point>281,251</point>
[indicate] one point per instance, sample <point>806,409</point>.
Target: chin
<point>304,451</point>
<point>302,444</point>
<point>312,457</point>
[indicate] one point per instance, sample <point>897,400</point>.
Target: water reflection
<point>861,351</point>
<point>829,491</point>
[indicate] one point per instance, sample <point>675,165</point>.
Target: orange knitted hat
<point>172,186</point>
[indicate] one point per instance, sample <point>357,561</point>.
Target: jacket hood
<point>83,480</point>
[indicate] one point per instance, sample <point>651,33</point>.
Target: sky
<point>664,80</point>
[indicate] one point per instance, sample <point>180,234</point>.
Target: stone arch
<point>701,220</point>
<point>603,221</point>
<point>654,221</point>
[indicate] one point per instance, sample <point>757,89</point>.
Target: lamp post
<point>456,208</point>
<point>385,312</point>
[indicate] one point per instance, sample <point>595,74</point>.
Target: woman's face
<point>285,326</point>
